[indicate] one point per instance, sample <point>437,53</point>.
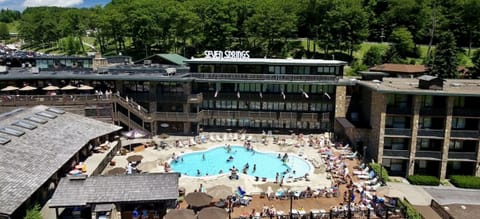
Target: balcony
<point>262,77</point>
<point>177,117</point>
<point>433,111</point>
<point>433,155</point>
<point>471,134</point>
<point>221,114</point>
<point>398,132</point>
<point>396,153</point>
<point>399,110</point>
<point>466,112</point>
<point>462,155</point>
<point>431,133</point>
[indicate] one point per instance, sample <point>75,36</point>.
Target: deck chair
<point>235,137</point>
<point>351,156</point>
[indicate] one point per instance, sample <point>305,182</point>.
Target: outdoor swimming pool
<point>267,164</point>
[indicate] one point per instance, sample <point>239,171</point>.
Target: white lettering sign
<point>227,54</point>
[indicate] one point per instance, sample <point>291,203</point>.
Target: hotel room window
<point>458,123</point>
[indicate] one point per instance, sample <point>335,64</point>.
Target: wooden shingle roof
<point>134,188</point>
<point>28,161</point>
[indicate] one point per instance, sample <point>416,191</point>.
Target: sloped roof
<point>28,161</point>
<point>115,189</point>
<point>173,58</point>
<point>400,68</point>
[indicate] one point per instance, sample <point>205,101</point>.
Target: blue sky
<point>22,4</point>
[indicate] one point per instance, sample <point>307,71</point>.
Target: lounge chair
<point>225,137</point>
<point>235,137</point>
<point>362,172</point>
<point>219,138</point>
<point>211,138</point>
<point>242,137</point>
<point>351,156</point>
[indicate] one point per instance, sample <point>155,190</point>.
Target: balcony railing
<point>263,77</point>
<point>466,112</point>
<point>58,100</point>
<point>436,111</point>
<point>399,110</point>
<point>396,153</point>
<point>398,131</point>
<point>431,132</point>
<point>464,134</point>
<point>429,154</point>
<point>177,117</point>
<point>462,155</point>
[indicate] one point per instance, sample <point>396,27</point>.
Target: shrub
<point>380,171</point>
<point>424,180</point>
<point>470,182</point>
<point>410,211</point>
<point>33,212</point>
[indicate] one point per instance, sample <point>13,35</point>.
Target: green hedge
<point>410,211</point>
<point>381,175</point>
<point>470,182</point>
<point>424,180</point>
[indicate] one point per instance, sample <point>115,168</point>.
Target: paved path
<point>416,195</point>
<point>446,195</point>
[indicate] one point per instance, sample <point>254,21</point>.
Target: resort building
<point>38,146</point>
<point>418,126</point>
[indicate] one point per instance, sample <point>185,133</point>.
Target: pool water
<point>267,164</point>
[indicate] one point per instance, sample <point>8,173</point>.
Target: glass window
<point>455,145</point>
<point>459,102</point>
<point>458,123</point>
<point>425,122</point>
<point>422,164</point>
<point>427,101</point>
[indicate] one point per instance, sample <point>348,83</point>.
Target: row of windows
<point>266,124</point>
<point>425,144</point>
<point>270,106</point>
<point>403,101</point>
<point>289,88</point>
<point>272,69</point>
<point>45,64</point>
<point>423,122</point>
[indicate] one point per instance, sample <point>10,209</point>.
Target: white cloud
<point>58,3</point>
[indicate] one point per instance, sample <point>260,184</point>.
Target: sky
<point>19,5</point>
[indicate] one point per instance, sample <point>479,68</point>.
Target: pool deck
<point>159,156</point>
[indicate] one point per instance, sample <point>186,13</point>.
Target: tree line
<point>266,28</point>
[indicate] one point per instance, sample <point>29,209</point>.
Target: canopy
<point>135,133</point>
<point>198,199</point>
<point>85,87</point>
<point>134,158</point>
<point>10,88</point>
<point>180,214</point>
<point>220,191</point>
<point>50,88</point>
<point>212,213</point>
<point>117,171</point>
<point>27,88</point>
<point>68,87</point>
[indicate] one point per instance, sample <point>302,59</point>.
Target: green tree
<point>4,32</point>
<point>471,21</point>
<point>402,40</point>
<point>33,213</point>
<point>391,56</point>
<point>445,61</point>
<point>412,14</point>
<point>373,56</point>
<point>476,65</point>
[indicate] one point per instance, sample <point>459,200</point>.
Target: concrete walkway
<point>416,195</point>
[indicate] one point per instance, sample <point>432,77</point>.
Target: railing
<point>398,131</point>
<point>177,116</point>
<point>466,112</point>
<point>58,100</point>
<point>269,77</point>
<point>437,111</point>
<point>130,122</point>
<point>429,154</point>
<point>396,153</point>
<point>462,155</point>
<point>431,132</point>
<point>464,134</point>
<point>399,110</point>
<point>239,114</point>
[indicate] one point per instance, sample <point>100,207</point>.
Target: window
<point>426,101</point>
<point>397,100</point>
<point>459,102</point>
<point>423,143</point>
<point>425,123</point>
<point>276,69</point>
<point>395,143</point>
<point>456,165</point>
<point>422,164</point>
<point>395,122</point>
<point>458,123</point>
<point>455,145</point>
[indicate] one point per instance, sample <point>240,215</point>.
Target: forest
<point>267,28</point>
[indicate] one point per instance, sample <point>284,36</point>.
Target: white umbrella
<point>85,87</point>
<point>68,87</point>
<point>50,88</point>
<point>27,88</point>
<point>10,88</point>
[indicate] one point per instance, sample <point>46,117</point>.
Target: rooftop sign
<point>227,54</point>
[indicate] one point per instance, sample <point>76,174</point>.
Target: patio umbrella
<point>117,171</point>
<point>68,87</point>
<point>134,158</point>
<point>212,213</point>
<point>147,166</point>
<point>198,199</point>
<point>50,88</point>
<point>220,191</point>
<point>27,88</point>
<point>135,133</point>
<point>10,88</point>
<point>164,136</point>
<point>85,87</point>
<point>180,214</point>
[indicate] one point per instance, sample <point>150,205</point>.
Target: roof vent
<point>37,119</point>
<point>46,114</point>
<point>430,82</point>
<point>56,110</point>
<point>24,124</point>
<point>4,140</point>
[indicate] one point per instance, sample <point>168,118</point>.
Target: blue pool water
<point>267,164</point>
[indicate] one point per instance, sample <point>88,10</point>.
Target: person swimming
<point>230,159</point>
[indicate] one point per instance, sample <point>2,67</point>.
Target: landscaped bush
<point>424,180</point>
<point>410,211</point>
<point>470,182</point>
<point>380,171</point>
